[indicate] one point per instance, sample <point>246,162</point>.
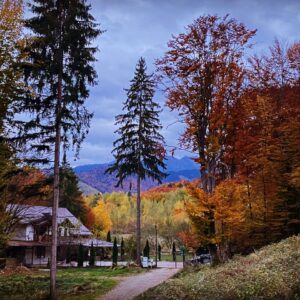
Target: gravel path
<point>132,286</point>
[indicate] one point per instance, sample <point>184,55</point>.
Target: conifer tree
<point>122,249</point>
<point>138,150</point>
<point>115,253</point>
<point>80,256</point>
<point>108,237</point>
<point>70,195</point>
<point>147,250</point>
<point>59,70</point>
<point>159,252</point>
<point>92,256</point>
<point>174,251</point>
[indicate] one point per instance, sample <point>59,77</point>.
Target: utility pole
<point>56,188</point>
<point>156,245</point>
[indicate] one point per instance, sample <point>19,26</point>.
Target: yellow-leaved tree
<point>102,221</point>
<point>228,207</point>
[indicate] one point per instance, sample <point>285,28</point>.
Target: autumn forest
<point>240,109</point>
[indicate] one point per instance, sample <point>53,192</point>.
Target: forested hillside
<point>177,169</point>
<point>162,206</point>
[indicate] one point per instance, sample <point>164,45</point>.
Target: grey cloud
<point>137,28</point>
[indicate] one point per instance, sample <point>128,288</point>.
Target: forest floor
<point>270,273</point>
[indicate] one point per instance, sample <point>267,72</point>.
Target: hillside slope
<point>271,273</point>
<point>87,189</point>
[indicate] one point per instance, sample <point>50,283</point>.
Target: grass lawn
<point>271,273</point>
<point>169,257</point>
<point>73,283</point>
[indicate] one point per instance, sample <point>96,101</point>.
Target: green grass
<point>271,273</point>
<point>72,283</point>
<point>166,257</point>
<point>169,257</point>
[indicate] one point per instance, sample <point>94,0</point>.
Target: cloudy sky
<point>136,28</point>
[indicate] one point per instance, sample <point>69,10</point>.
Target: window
<point>66,231</point>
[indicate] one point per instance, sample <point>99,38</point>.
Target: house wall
<point>28,255</point>
<point>29,233</point>
<point>19,233</point>
<point>23,233</point>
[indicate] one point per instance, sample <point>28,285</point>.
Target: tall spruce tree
<point>59,71</point>
<point>138,150</point>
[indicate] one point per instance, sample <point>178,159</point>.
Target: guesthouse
<point>30,242</point>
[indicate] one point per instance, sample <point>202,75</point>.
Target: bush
<point>130,247</point>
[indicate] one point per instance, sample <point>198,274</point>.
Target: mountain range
<point>92,178</point>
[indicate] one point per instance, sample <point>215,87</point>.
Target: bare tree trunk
<point>53,293</point>
<point>265,226</point>
<point>209,188</point>
<point>55,207</point>
<point>138,221</point>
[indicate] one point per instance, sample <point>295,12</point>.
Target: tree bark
<point>138,221</point>
<point>53,293</point>
<point>55,204</point>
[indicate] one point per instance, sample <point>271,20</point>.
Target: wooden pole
<point>53,293</point>
<point>156,246</point>
<point>138,221</point>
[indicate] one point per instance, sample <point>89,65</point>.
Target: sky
<point>135,28</point>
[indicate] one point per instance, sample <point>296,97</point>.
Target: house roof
<point>30,214</point>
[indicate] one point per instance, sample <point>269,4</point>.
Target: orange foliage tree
<point>267,144</point>
<point>244,125</point>
<point>204,73</point>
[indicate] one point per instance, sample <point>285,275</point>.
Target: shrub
<point>115,253</point>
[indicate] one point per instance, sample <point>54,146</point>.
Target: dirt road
<point>132,286</point>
